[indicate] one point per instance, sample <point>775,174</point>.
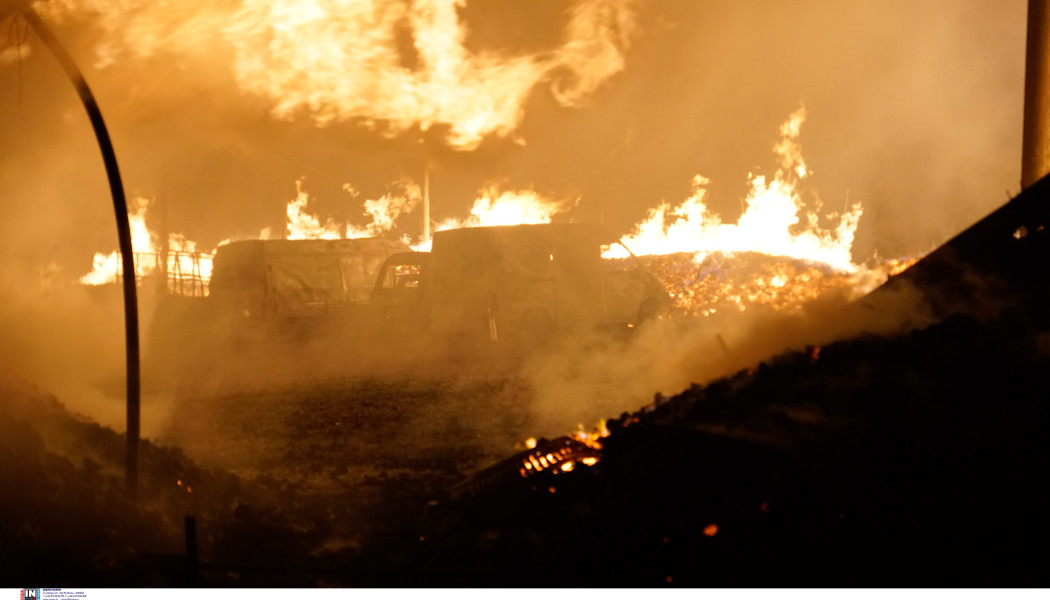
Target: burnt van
<point>530,282</point>
<point>295,286</point>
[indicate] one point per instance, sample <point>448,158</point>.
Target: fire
<point>106,267</point>
<point>403,196</point>
<point>765,227</point>
<point>771,257</point>
<point>777,255</point>
<point>494,207</point>
<point>304,226</point>
<point>389,65</point>
<point>592,438</point>
<point>188,270</point>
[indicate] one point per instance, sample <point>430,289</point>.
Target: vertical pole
<point>120,206</point>
<point>1035,152</point>
<point>426,201</point>
<point>165,249</point>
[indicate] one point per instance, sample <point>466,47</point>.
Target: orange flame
<point>183,256</point>
<point>765,226</point>
<point>388,64</point>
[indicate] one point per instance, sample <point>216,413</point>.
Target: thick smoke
<point>582,380</point>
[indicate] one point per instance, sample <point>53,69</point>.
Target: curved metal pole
<point>120,206</point>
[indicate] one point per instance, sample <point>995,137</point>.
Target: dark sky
<point>914,110</point>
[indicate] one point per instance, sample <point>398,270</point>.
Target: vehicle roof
<point>547,230</point>
<point>258,249</point>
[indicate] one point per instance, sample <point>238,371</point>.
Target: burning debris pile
<point>906,461</point>
<point>743,280</point>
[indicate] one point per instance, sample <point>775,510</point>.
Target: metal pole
<point>426,201</point>
<point>1035,145</point>
<point>120,206</point>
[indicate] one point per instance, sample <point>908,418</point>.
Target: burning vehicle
<point>293,286</point>
<point>526,283</point>
<point>509,283</point>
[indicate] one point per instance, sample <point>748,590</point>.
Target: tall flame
<point>183,256</point>
<point>304,226</point>
<point>342,60</point>
<point>766,225</point>
<point>105,267</point>
<point>403,196</point>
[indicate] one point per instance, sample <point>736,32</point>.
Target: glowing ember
<point>711,530</point>
<point>557,456</point>
<point>591,439</point>
<point>738,282</point>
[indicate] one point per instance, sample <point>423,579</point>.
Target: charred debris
<point>909,461</point>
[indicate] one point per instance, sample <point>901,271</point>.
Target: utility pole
<point>1035,145</point>
<point>426,201</point>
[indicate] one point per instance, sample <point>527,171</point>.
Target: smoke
<point>64,340</point>
<point>585,379</point>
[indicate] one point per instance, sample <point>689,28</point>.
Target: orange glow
<point>344,61</point>
<point>711,530</point>
<point>184,260</point>
<point>494,207</point>
<point>773,208</point>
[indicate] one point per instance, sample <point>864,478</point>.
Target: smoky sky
<point>913,110</point>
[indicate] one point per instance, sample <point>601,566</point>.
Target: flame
<point>766,225</point>
<point>304,226</point>
<point>384,211</point>
<point>771,257</point>
<point>592,438</point>
<point>390,65</point>
<point>106,268</point>
<point>494,207</point>
<point>185,264</point>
